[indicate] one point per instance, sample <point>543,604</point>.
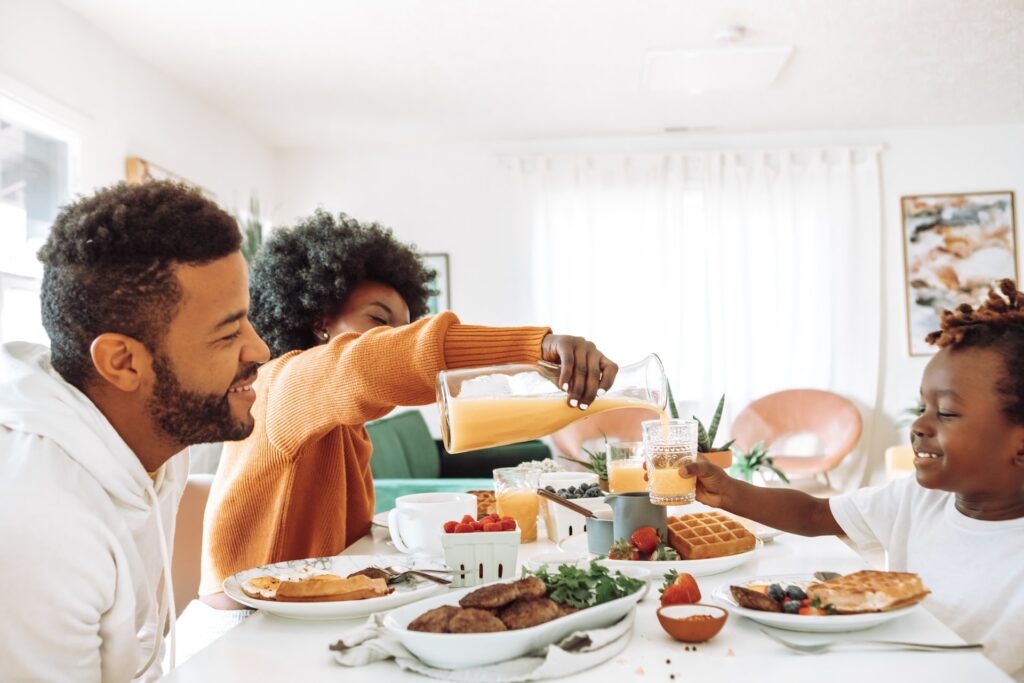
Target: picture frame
<point>138,170</point>
<point>441,284</point>
<point>954,246</point>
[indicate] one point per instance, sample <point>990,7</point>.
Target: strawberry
<point>464,529</point>
<point>809,611</point>
<point>477,526</point>
<point>507,518</point>
<point>623,550</point>
<point>645,539</point>
<point>466,519</point>
<point>492,526</point>
<point>679,589</point>
<point>508,525</point>
<point>449,527</point>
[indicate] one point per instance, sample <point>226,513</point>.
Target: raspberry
<point>466,519</point>
<point>508,525</point>
<point>449,527</point>
<point>507,518</point>
<point>493,517</point>
<point>464,529</point>
<point>492,526</point>
<point>478,526</point>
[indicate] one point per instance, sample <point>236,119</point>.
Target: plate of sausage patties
<point>504,620</point>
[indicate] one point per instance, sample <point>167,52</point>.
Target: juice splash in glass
<point>667,445</point>
<point>626,467</point>
<point>502,404</point>
<point>515,494</point>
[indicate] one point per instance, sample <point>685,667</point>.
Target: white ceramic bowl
<point>465,650</point>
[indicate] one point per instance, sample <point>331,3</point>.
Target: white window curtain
<point>747,272</point>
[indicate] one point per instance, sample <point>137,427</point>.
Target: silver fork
<point>816,648</point>
<point>397,575</point>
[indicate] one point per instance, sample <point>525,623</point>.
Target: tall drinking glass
<point>626,467</point>
<point>516,495</point>
<point>668,444</point>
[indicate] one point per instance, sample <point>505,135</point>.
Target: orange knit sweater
<point>300,485</point>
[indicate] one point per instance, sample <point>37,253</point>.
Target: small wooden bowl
<point>678,622</point>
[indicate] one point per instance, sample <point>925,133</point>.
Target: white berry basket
<point>568,523</point>
<point>560,480</point>
<point>481,556</point>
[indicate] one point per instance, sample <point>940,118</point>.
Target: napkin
<point>576,652</point>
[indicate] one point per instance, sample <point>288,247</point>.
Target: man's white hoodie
<point>85,535</point>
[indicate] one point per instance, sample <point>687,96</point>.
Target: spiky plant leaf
<point>713,428</point>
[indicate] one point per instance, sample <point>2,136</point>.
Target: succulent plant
<point>706,437</point>
<point>745,464</point>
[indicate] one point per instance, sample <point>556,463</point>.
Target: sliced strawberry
<point>623,550</point>
<point>645,539</point>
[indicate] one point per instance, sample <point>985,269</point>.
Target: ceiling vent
<point>709,70</point>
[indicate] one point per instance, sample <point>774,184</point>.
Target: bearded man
<point>145,300</point>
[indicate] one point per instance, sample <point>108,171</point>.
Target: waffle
<point>708,534</point>
<point>485,504</point>
<point>869,591</point>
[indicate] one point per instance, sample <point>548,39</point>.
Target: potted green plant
<point>719,455</point>
<point>745,465</point>
<point>597,463</point>
<point>252,230</point>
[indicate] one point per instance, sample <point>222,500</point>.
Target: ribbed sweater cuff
<point>473,346</point>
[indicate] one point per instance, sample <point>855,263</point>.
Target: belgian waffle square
<point>869,591</point>
<point>708,534</point>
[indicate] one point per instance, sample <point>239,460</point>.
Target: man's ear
<point>120,360</point>
<point>1018,458</point>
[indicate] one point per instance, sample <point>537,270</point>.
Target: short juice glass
<point>668,444</point>
<point>626,467</point>
<point>515,495</point>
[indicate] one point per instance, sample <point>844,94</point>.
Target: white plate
<point>464,650</point>
<point>832,623</point>
<point>342,565</point>
<point>713,565</point>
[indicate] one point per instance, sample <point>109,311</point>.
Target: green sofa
<point>407,459</point>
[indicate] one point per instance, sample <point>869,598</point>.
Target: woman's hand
<point>714,486</point>
<point>586,372</point>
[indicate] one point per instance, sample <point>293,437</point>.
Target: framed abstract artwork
<point>954,246</point>
<point>441,299</point>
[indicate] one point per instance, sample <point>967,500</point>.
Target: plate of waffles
<point>338,587</point>
<point>853,602</point>
<point>705,542</point>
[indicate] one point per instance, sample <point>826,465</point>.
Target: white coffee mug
<point>417,522</point>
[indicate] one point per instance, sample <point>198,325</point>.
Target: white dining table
<point>269,648</point>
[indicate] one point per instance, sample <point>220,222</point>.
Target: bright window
<point>37,162</point>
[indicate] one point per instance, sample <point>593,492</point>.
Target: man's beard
<point>189,417</point>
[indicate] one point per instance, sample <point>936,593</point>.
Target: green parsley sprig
<point>582,588</point>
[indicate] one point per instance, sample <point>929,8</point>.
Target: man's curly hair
<point>108,266</point>
<point>304,274</point>
<point>998,323</point>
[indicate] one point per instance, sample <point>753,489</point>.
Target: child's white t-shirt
<point>974,569</point>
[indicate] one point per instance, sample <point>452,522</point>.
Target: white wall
<point>461,200</point>
<point>123,107</point>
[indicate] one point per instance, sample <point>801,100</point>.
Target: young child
<point>960,523</point>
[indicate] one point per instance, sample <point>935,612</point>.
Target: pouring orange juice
<point>498,405</point>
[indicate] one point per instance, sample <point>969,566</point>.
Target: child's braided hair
<point>998,323</point>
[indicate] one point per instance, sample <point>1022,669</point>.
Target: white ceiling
<point>315,73</point>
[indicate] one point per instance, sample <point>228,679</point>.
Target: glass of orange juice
<point>626,467</point>
<point>668,444</point>
<point>515,494</point>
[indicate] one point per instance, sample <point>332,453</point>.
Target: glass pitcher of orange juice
<point>503,404</point>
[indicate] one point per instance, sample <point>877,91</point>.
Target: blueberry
<point>593,493</point>
<point>549,488</point>
<point>796,593</point>
<point>563,493</point>
<point>776,593</point>
<point>791,607</point>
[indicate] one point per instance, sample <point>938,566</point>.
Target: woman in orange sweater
<point>334,300</point>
